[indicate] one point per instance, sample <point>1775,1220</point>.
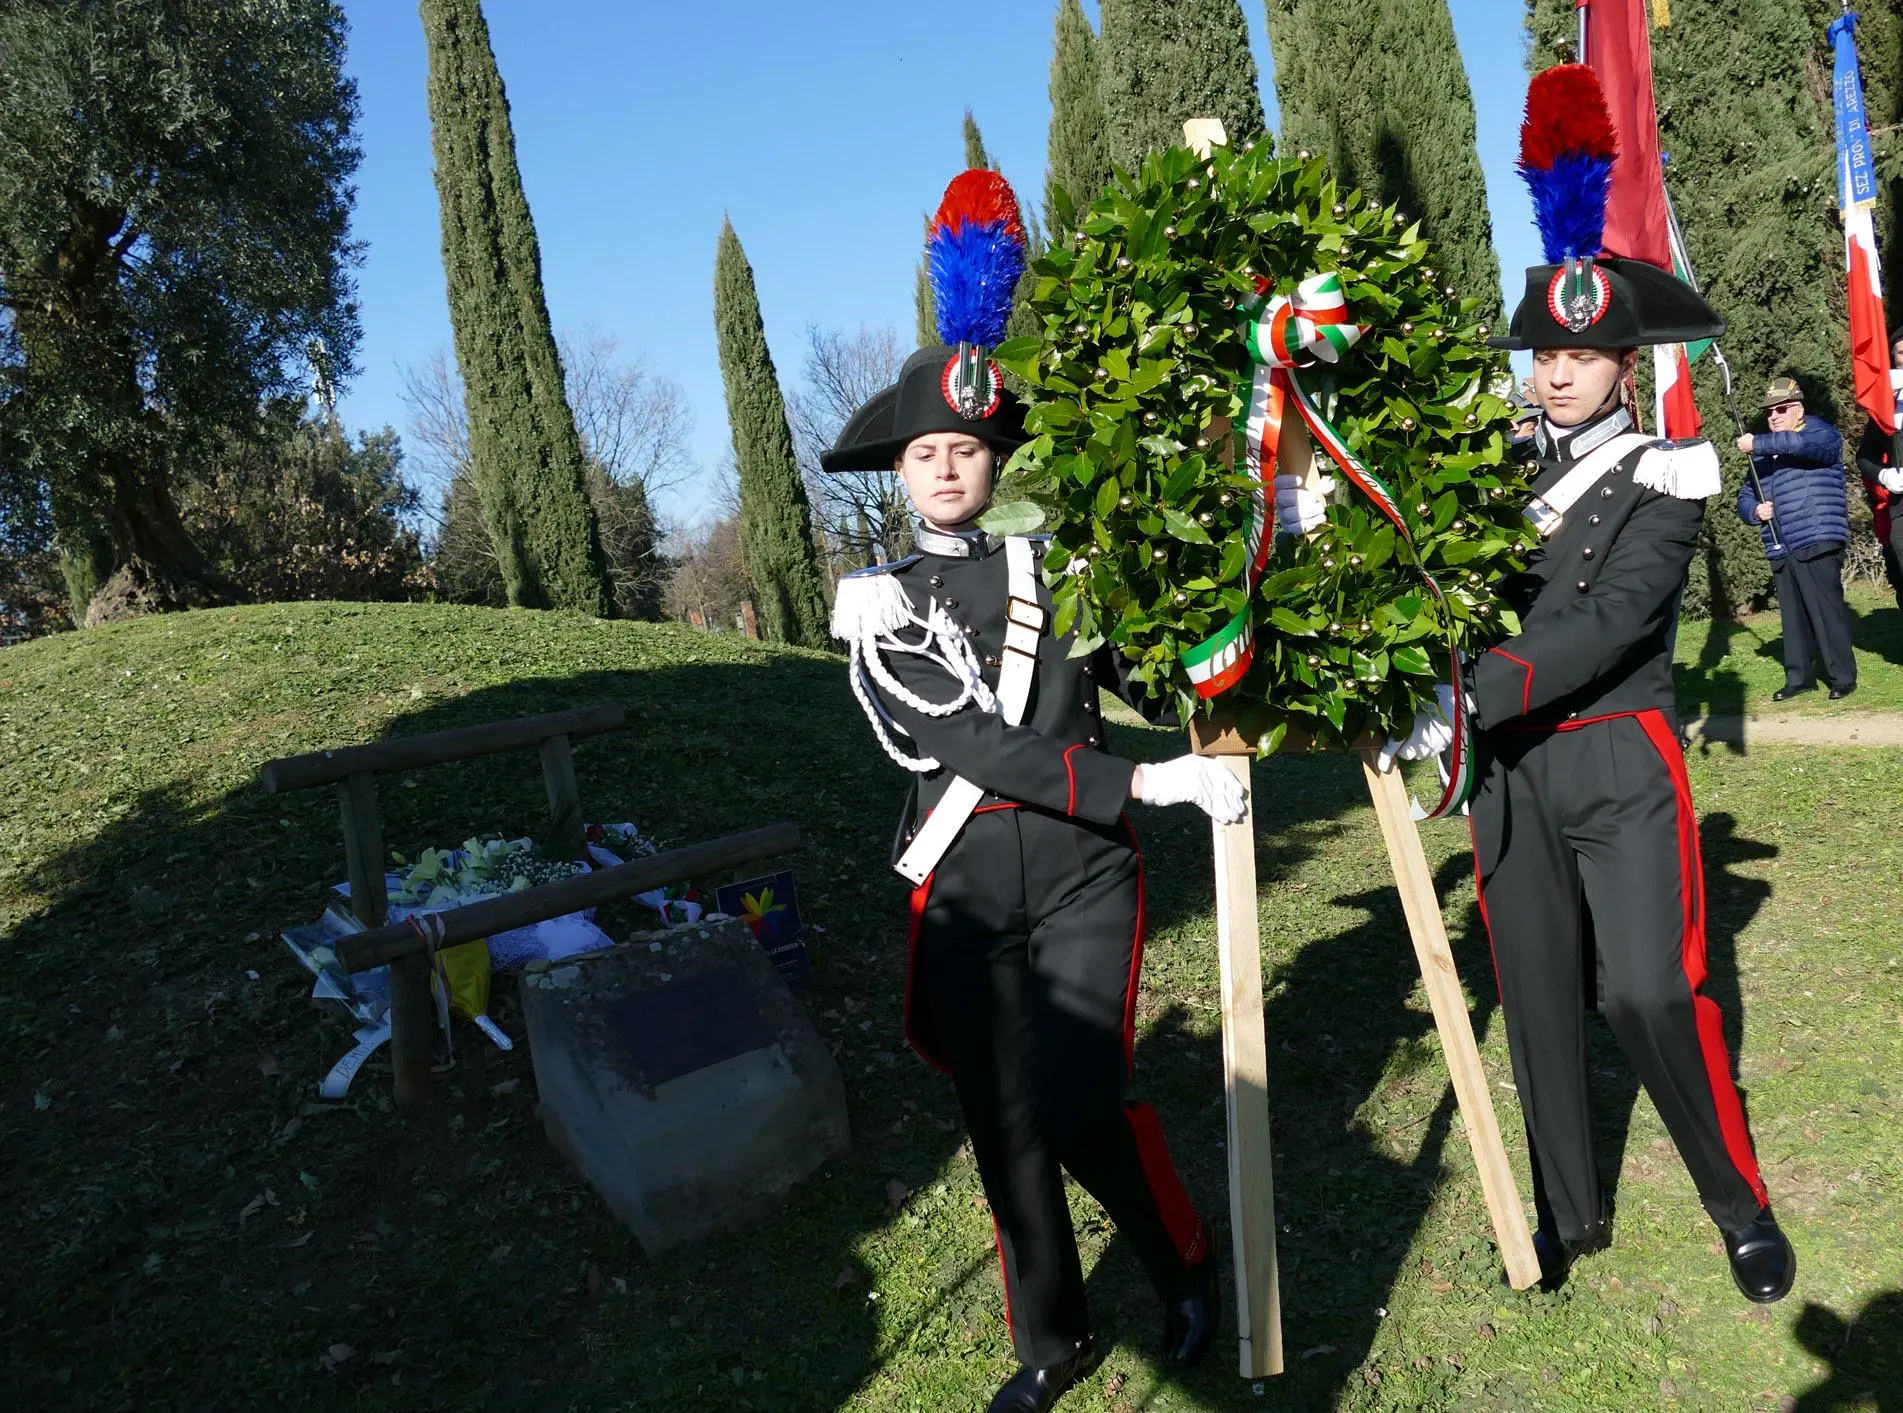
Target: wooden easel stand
<point>1245,1048</point>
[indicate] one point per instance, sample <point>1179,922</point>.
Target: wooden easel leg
<point>1245,1065</point>
<point>1415,881</point>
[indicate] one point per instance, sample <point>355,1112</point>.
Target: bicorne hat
<point>1607,303</point>
<point>975,254</point>
<point>1581,298</point>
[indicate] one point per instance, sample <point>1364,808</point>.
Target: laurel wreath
<point>1138,382</point>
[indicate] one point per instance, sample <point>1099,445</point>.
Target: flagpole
<point>1581,6</point>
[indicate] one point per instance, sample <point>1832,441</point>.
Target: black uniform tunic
<point>1586,843</point>
<point>1026,943</point>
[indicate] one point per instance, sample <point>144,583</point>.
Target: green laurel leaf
<point>1016,517</point>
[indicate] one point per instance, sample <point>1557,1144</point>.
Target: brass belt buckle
<point>1013,603</point>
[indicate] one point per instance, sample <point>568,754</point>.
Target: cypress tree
<point>526,458</point>
<point>924,307</point>
<point>1079,152</point>
<point>975,154</point>
<point>1377,88</point>
<point>1752,174</point>
<point>776,522</point>
<point>1165,61</point>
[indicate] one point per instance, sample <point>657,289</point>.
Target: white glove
<point>1891,479</point>
<point>1298,509</point>
<point>1197,780</point>
<point>1433,733</point>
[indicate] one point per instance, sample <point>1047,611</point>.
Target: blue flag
<point>1856,176</point>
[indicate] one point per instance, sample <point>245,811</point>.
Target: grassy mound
<point>185,1228</point>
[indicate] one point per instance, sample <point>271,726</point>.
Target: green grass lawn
<point>1730,667</point>
<point>185,1228</point>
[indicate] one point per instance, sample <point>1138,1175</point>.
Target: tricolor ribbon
<point>1284,334</point>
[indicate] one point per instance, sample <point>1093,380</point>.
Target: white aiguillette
<point>1025,619</point>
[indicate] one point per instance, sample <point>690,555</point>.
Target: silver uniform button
<point>993,662</point>
<point>1583,586</point>
<point>1605,493</point>
<point>951,604</point>
<point>1093,740</point>
<point>1592,520</point>
<point>970,632</point>
<point>1587,552</point>
<point>936,582</point>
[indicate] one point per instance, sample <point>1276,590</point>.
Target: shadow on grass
<point>1865,1355</point>
<point>186,1225</point>
<point>1879,631</point>
<point>1706,687</point>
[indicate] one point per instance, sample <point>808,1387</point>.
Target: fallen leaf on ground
<point>267,1065</point>
<point>896,1192</point>
<point>335,1355</point>
<point>507,1086</point>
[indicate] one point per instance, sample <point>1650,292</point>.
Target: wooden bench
<point>353,771</point>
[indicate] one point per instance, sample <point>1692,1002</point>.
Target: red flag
<point>1619,48</point>
<point>1638,223</point>
<point>1869,344</point>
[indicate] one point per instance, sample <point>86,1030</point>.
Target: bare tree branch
<point>864,517</point>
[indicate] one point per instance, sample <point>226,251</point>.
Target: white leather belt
<point>1548,512</point>
<point>1024,619</point>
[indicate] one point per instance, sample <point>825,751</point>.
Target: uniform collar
<point>1565,444</point>
<point>954,544</point>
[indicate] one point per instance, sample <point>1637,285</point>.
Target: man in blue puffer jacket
<point>1804,518</point>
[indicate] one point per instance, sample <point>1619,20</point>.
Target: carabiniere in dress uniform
<point>1585,835</point>
<point>1026,932</point>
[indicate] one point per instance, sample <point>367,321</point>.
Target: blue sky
<point>824,130</point>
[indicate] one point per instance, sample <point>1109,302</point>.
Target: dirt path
<point>1875,728</point>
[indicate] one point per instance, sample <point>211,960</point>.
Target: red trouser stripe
<point>1136,958</point>
<point>1004,1274</point>
<point>1172,1202</point>
<point>1185,1228</point>
<point>1711,1029</point>
<point>922,1046</point>
<point>1480,900</point>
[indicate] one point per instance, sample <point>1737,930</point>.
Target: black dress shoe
<point>1762,1262</point>
<point>1558,1254</point>
<point>1190,1317</point>
<point>1784,694</point>
<point>1837,694</point>
<point>1035,1390</point>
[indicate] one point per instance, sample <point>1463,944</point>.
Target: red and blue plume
<point>975,253</point>
<point>1567,147</point>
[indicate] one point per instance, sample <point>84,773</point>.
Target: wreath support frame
<point>1245,1042</point>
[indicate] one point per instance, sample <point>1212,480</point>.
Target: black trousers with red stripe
<point>1026,944</point>
<point>1585,841</point>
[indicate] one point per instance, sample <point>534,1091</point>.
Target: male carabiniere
<point>1585,835</point>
